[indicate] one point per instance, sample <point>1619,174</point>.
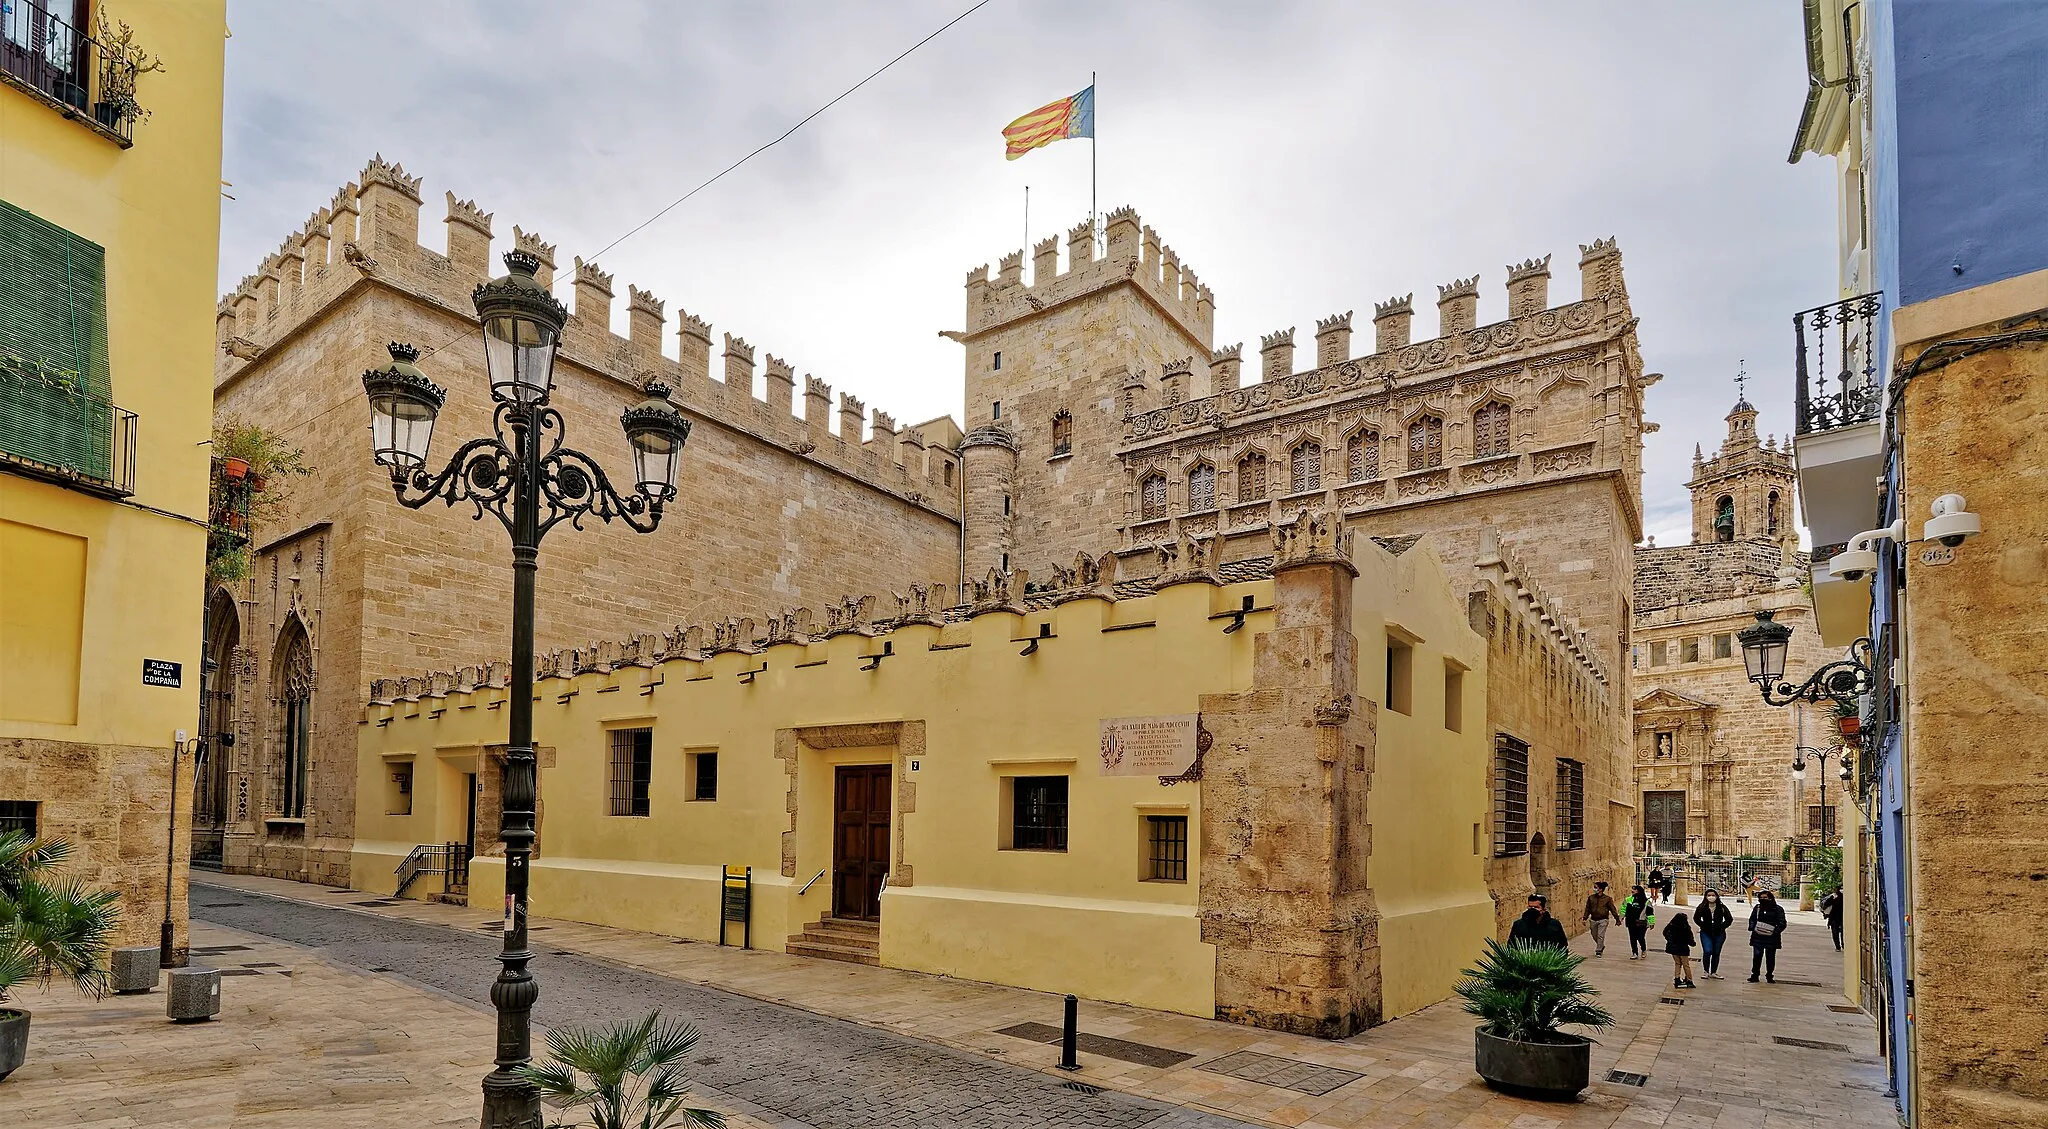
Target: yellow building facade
<point>109,232</point>
<point>936,790</point>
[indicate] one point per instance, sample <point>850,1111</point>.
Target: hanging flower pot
<point>1850,725</point>
<point>234,469</point>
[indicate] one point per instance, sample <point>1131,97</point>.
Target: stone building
<point>347,584</point>
<point>1713,761</point>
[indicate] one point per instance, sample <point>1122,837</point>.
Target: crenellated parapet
<point>1134,255</point>
<point>1532,613</point>
<point>368,235</point>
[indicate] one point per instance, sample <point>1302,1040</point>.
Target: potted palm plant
<point>1848,718</point>
<point>50,928</point>
<point>627,1075</point>
<point>1526,994</point>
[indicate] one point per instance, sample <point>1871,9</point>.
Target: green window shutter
<point>54,385</point>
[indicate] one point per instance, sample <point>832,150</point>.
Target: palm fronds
<point>627,1075</point>
<point>51,928</point>
<point>1527,992</point>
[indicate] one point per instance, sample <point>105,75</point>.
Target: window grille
<point>1426,443</point>
<point>1201,489</point>
<point>17,815</point>
<point>705,786</point>
<point>1251,478</point>
<point>1362,456</point>
<point>632,766</point>
<point>1821,821</point>
<point>1167,848</point>
<point>1039,818</point>
<point>1571,805</point>
<point>1152,497</point>
<point>1490,430</point>
<point>1062,432</point>
<point>1510,796</point>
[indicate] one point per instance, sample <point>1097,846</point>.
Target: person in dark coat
<point>1656,881</point>
<point>1638,914</point>
<point>1537,927</point>
<point>1678,942</point>
<point>1714,920</point>
<point>1831,905</point>
<point>1766,934</point>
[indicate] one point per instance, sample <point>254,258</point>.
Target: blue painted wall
<point>1962,91</point>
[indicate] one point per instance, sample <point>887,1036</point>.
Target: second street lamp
<point>523,476</point>
<point>1764,646</point>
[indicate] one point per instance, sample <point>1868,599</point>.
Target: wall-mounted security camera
<point>1952,523</point>
<point>1859,560</point>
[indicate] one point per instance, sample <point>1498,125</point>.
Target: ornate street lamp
<point>1839,753</point>
<point>1763,652</point>
<point>530,482</point>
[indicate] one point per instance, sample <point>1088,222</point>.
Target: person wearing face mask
<point>1766,934</point>
<point>1714,921</point>
<point>1638,914</point>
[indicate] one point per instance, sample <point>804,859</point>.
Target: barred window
<point>1166,853</point>
<point>1362,456</point>
<point>1251,478</point>
<point>1039,813</point>
<point>1426,443</point>
<point>1490,430</point>
<point>632,766</point>
<point>1305,467</point>
<point>18,815</point>
<point>1202,488</point>
<point>1571,805</point>
<point>1062,431</point>
<point>1510,796</point>
<point>1152,497</point>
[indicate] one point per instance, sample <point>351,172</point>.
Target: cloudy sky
<point>1303,158</point>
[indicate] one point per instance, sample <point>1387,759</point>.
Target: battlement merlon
<point>1134,257</point>
<point>1501,568</point>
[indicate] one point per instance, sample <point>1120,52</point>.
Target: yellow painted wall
<point>1429,781</point>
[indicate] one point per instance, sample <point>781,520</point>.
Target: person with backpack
<point>1638,914</point>
<point>1831,907</point>
<point>1766,935</point>
<point>1714,920</point>
<point>1678,942</point>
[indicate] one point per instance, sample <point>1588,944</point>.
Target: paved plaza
<point>372,1015</point>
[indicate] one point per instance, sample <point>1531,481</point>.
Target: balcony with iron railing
<point>80,76</point>
<point>1837,372</point>
<point>1838,405</point>
<point>49,429</point>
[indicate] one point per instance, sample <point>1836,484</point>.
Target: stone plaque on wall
<point>1148,746</point>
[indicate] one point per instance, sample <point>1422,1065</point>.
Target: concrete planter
<point>13,1040</point>
<point>194,996</point>
<point>135,970</point>
<point>1553,1072</point>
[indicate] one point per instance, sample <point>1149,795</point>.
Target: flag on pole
<point>1068,117</point>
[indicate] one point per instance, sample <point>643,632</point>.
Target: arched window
<point>292,683</point>
<point>1201,488</point>
<point>1305,467</point>
<point>1062,432</point>
<point>1724,519</point>
<point>1251,477</point>
<point>1362,456</point>
<point>1771,515</point>
<point>1426,443</point>
<point>1490,430</point>
<point>217,716</point>
<point>1152,497</point>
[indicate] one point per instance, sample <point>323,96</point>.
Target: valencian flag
<point>1068,117</point>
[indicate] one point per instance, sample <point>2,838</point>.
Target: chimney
<point>1225,369</point>
<point>1390,323</point>
<point>1333,339</point>
<point>1457,306</point>
<point>1529,287</point>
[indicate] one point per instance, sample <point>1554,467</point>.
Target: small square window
<point>1691,650</point>
<point>1658,653</point>
<point>18,815</point>
<point>1724,647</point>
<point>1400,676</point>
<point>997,409</point>
<point>703,776</point>
<point>1166,853</point>
<point>999,359</point>
<point>398,797</point>
<point>1038,813</point>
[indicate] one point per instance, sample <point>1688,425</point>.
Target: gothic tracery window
<point>1201,488</point>
<point>294,688</point>
<point>1426,443</point>
<point>1362,456</point>
<point>1305,467</point>
<point>1251,477</point>
<point>1062,432</point>
<point>1152,497</point>
<point>1490,430</point>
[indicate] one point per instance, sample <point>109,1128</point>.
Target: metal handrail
<point>75,72</point>
<point>1854,322</point>
<point>808,885</point>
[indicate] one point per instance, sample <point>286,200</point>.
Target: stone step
<point>842,927</point>
<point>804,946</point>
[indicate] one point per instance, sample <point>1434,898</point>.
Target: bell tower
<point>1745,491</point>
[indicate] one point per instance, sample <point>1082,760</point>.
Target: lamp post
<point>1838,753</point>
<point>1763,652</point>
<point>525,478</point>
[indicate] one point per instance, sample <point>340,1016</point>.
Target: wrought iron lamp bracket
<point>1842,681</point>
<point>487,474</point>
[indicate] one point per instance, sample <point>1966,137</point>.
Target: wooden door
<point>1664,819</point>
<point>860,843</point>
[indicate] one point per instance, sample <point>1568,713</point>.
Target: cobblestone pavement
<point>800,1068</point>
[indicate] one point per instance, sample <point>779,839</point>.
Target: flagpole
<point>1027,219</point>
<point>1094,133</point>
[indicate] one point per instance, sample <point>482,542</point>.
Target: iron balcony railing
<point>46,56</point>
<point>50,430</point>
<point>1837,387</point>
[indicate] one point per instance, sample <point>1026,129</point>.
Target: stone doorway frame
<point>907,738</point>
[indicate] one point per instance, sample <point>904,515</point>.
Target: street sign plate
<point>162,672</point>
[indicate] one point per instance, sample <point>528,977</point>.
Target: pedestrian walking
<point>1537,927</point>
<point>1766,934</point>
<point>1600,911</point>
<point>1678,941</point>
<point>1831,905</point>
<point>1714,920</point>
<point>1638,915</point>
<point>1657,882</point>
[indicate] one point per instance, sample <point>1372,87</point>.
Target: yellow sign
<point>1149,746</point>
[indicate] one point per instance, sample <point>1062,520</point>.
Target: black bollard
<point>1070,1036</point>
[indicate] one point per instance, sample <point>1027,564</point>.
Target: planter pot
<point>234,468</point>
<point>1849,726</point>
<point>256,483</point>
<point>1553,1072</point>
<point>13,1040</point>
